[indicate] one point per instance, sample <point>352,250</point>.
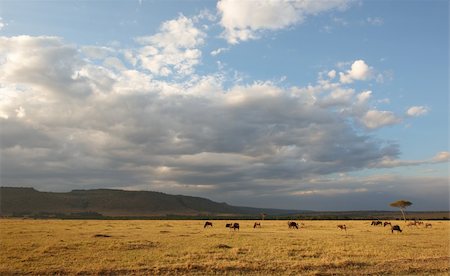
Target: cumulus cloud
<point>245,20</point>
<point>359,71</point>
<point>331,74</point>
<point>364,97</point>
<point>443,156</point>
<point>339,96</point>
<point>174,49</point>
<point>375,21</point>
<point>417,111</point>
<point>133,125</point>
<point>218,51</point>
<point>44,62</point>
<point>69,121</point>
<point>375,119</point>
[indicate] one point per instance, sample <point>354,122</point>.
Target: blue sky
<point>324,105</point>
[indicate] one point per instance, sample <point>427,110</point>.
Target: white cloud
<point>443,156</point>
<point>20,112</point>
<point>44,62</point>
<point>329,192</point>
<point>339,96</point>
<point>364,97</point>
<point>72,122</point>
<point>375,119</point>
<point>332,74</point>
<point>2,24</point>
<point>219,51</point>
<point>174,49</point>
<point>129,124</point>
<point>416,111</point>
<point>245,20</point>
<point>375,21</point>
<point>359,71</point>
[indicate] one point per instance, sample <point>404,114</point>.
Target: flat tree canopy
<point>401,204</point>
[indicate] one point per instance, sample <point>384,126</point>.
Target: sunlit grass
<point>180,247</point>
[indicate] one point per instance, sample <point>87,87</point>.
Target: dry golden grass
<point>184,247</point>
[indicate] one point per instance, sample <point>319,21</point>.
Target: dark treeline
<point>356,215</point>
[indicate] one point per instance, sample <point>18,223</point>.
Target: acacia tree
<point>402,204</point>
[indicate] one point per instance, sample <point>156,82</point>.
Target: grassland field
<point>177,247</point>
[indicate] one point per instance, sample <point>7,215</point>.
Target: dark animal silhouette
<point>235,226</point>
<point>228,225</point>
<point>292,224</point>
<point>257,224</point>
<point>376,223</point>
<point>396,228</point>
<point>386,223</point>
<point>208,223</point>
<point>342,227</point>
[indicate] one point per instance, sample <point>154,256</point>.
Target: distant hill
<point>116,203</point>
<point>106,203</point>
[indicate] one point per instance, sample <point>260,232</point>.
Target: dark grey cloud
<point>69,123</point>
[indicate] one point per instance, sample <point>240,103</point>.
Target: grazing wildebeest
<point>257,224</point>
<point>376,223</point>
<point>292,224</point>
<point>235,226</point>
<point>428,225</point>
<point>396,228</point>
<point>342,227</point>
<point>208,223</point>
<point>228,225</point>
<point>386,223</point>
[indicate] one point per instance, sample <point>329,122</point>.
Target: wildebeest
<point>428,225</point>
<point>228,225</point>
<point>208,223</point>
<point>342,227</point>
<point>235,226</point>
<point>292,224</point>
<point>376,223</point>
<point>386,223</point>
<point>257,224</point>
<point>396,228</point>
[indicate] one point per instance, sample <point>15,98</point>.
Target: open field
<point>185,247</point>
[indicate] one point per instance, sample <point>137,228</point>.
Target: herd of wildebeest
<point>295,225</point>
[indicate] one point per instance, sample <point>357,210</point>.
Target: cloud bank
<point>80,116</point>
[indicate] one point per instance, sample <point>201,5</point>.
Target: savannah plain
<point>168,247</point>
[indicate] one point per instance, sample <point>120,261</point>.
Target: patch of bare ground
<point>102,236</point>
<point>223,246</point>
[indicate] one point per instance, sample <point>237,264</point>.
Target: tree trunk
<point>404,218</point>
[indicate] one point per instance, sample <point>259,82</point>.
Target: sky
<point>302,104</point>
